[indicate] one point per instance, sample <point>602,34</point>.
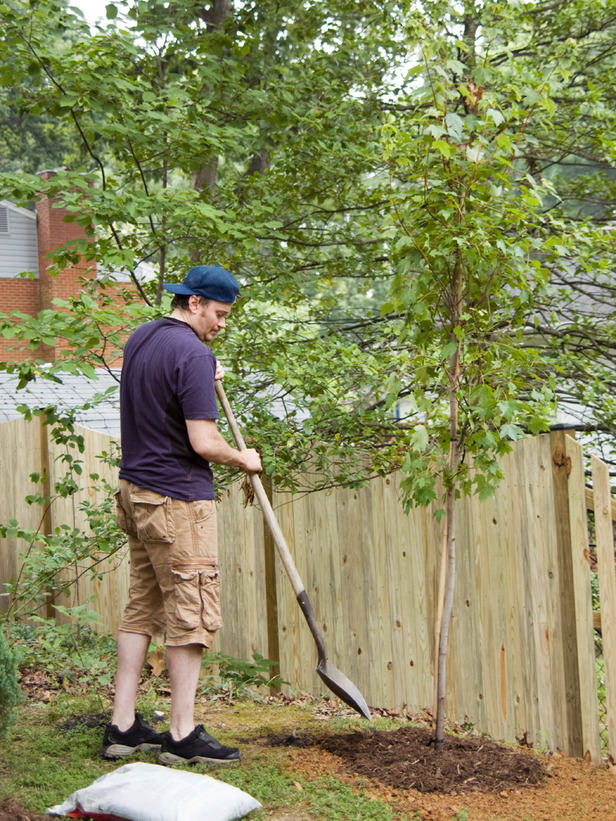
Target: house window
<point>4,219</point>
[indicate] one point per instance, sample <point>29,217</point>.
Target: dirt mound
<point>407,759</point>
<point>10,810</point>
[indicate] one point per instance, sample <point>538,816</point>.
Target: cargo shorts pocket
<point>152,516</point>
<point>197,597</point>
<point>123,520</point>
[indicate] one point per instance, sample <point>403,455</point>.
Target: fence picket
<point>604,535</point>
<point>587,700</point>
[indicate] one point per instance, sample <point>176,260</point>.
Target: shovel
<point>337,682</point>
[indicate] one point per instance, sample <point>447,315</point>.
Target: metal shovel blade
<point>340,685</point>
<point>337,682</point>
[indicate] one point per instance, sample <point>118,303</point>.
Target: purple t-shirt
<point>167,377</point>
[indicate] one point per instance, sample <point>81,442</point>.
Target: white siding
<point>18,244</point>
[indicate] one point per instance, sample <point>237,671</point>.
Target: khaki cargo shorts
<point>174,583</point>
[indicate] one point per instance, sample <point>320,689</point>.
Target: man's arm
<point>209,443</point>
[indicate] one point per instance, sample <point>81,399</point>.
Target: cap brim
<point>177,288</point>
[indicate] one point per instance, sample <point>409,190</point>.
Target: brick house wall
<point>19,295</point>
<point>31,296</point>
<point>17,253</point>
<point>53,232</point>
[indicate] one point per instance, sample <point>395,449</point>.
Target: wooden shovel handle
<point>266,507</point>
<point>337,682</point>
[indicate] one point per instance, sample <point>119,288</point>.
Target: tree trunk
<point>215,15</point>
<point>163,248</point>
<point>441,689</point>
<point>449,579</point>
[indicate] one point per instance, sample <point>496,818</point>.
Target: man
<point>166,506</point>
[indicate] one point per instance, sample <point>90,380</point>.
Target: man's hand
<point>220,371</point>
<point>252,461</point>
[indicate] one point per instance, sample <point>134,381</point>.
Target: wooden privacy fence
<point>522,645</point>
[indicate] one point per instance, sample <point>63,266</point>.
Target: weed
<point>602,699</point>
<point>237,678</point>
<point>268,783</point>
<point>64,738</point>
<point>66,760</point>
<point>53,563</point>
<point>319,798</point>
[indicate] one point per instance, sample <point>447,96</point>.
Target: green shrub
<point>10,692</point>
<point>71,651</point>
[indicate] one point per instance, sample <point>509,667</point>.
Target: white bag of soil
<point>149,792</point>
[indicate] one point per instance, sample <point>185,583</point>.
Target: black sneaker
<point>197,746</point>
<point>118,744</point>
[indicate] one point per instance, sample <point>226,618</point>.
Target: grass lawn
<point>53,748</point>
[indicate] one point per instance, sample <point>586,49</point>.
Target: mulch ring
<point>408,759</point>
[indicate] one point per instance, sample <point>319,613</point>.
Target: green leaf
<point>443,148</point>
<point>449,350</point>
<point>511,431</point>
<point>496,116</point>
<point>455,126</point>
<point>420,438</point>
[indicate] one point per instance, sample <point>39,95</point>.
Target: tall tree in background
<point>575,321</point>
<point>242,135</point>
<point>31,137</point>
<point>250,134</point>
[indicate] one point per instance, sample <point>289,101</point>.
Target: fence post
<point>46,520</point>
<point>579,673</point>
<point>604,535</point>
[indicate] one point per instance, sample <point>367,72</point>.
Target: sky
<point>92,9</point>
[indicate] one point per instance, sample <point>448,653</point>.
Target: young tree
<point>478,236</point>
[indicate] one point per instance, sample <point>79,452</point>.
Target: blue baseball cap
<point>209,281</point>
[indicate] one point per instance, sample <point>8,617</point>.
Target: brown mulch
<point>467,777</point>
<point>407,759</point>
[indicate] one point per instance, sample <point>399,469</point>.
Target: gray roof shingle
<point>72,392</point>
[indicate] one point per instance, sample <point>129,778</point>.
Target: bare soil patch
<point>11,810</point>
